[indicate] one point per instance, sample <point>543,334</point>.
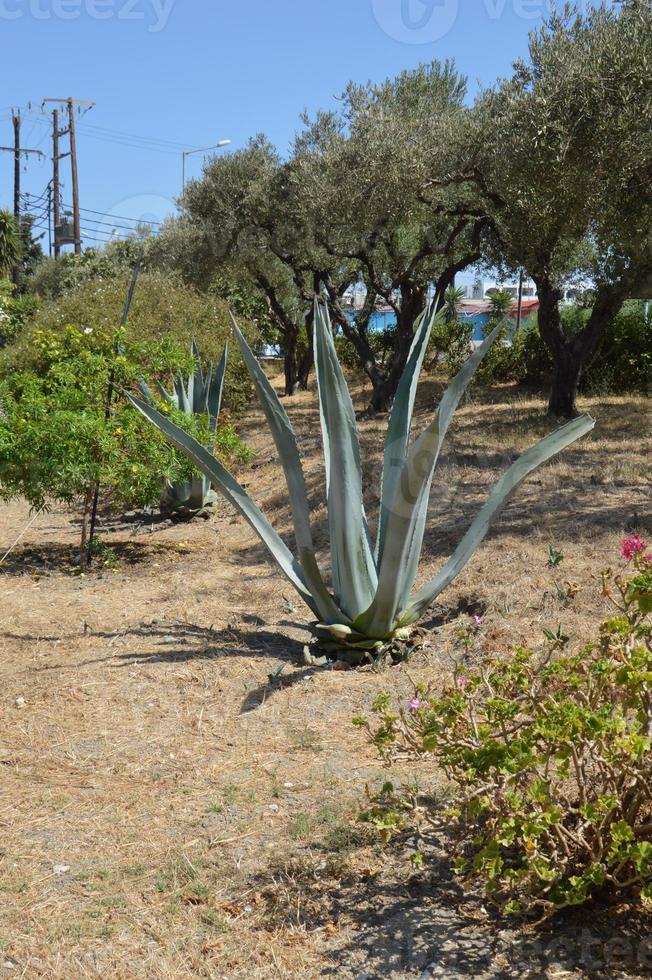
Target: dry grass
<point>176,791</point>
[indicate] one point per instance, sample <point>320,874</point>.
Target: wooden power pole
<point>16,121</point>
<point>56,157</point>
<point>56,194</point>
<point>17,151</point>
<point>75,180</point>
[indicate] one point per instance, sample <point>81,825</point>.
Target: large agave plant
<point>201,394</point>
<point>370,605</point>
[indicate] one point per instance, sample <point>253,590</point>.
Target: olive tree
<point>363,183</point>
<point>237,237</point>
<point>562,160</point>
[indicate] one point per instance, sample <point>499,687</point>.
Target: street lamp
<point>187,153</point>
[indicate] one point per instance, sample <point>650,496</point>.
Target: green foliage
<point>555,556</point>
<point>623,360</point>
<point>15,311</point>
<point>450,341</point>
<point>369,612</point>
<point>551,758</point>
<point>9,243</point>
<point>381,343</point>
<point>54,442</point>
<point>161,308</point>
<point>53,277</point>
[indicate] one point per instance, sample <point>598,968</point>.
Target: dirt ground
<point>178,794</point>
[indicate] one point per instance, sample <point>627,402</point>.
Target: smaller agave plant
<point>200,395</point>
<point>369,610</point>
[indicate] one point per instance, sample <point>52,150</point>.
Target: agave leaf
<point>547,447</point>
<point>215,386</point>
<point>400,422</point>
<point>145,390</point>
<point>235,494</point>
<point>184,402</point>
<point>288,451</point>
<point>353,569</point>
<point>196,387</point>
<point>190,495</point>
<point>409,506</point>
<point>166,396</point>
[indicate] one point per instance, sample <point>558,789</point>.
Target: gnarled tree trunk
<point>571,354</point>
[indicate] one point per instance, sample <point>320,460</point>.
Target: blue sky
<point>191,72</point>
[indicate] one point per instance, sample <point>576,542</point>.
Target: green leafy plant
<point>55,442</point>
<point>200,396</point>
<point>551,758</point>
<point>15,311</point>
<point>370,610</point>
<point>555,557</point>
<point>450,338</point>
<point>162,309</point>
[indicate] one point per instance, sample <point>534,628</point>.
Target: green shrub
<point>53,277</point>
<point>551,759</point>
<point>161,308</point>
<point>450,344</point>
<point>502,362</point>
<point>15,312</point>
<point>622,362</point>
<point>54,442</point>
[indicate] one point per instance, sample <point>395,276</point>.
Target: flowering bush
<point>551,757</point>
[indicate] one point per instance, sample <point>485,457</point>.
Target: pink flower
<point>632,546</point>
<point>478,620</point>
<point>414,704</point>
<point>462,682</point>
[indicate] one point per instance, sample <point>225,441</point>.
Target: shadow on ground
<point>54,557</point>
<point>178,643</point>
<point>390,924</point>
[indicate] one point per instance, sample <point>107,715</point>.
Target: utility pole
<point>70,103</point>
<point>56,194</point>
<point>50,219</point>
<point>75,180</point>
<point>17,151</point>
<point>16,121</point>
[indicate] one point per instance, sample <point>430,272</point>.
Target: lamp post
<point>187,153</point>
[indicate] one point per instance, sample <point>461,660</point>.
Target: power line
<point>120,217</point>
<point>111,224</point>
<point>133,136</point>
<point>130,143</point>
